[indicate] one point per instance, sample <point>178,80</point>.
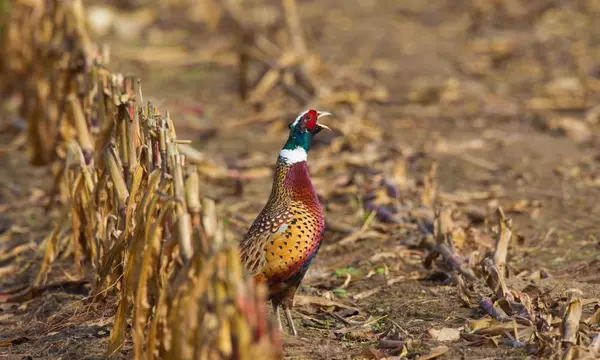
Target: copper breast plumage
<point>287,232</point>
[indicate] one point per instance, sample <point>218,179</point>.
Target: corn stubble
<point>133,207</point>
<point>514,317</point>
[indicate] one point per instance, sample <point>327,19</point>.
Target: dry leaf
<point>303,300</point>
<point>435,352</point>
<point>444,334</point>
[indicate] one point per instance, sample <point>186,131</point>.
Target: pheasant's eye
<point>307,117</point>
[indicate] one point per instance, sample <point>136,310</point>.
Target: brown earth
<point>482,63</point>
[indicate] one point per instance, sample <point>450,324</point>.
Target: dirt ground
<point>467,84</point>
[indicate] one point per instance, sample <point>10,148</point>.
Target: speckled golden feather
<point>284,235</point>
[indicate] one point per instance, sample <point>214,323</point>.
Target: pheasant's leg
<point>288,315</point>
<point>277,314</point>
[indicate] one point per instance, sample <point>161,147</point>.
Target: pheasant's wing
<point>264,229</point>
<point>253,254</point>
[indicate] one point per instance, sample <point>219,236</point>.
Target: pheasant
<point>287,234</point>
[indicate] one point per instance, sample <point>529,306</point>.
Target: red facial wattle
<point>310,120</point>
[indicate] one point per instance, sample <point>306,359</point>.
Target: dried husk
<point>132,208</point>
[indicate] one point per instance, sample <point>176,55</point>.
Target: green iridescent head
<point>302,131</point>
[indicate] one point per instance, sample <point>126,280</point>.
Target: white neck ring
<point>292,156</point>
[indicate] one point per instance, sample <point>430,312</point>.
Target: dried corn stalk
<point>236,329</point>
<point>45,50</point>
<point>134,210</point>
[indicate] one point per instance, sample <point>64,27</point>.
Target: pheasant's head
<point>302,131</point>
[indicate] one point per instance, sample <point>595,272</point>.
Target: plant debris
<point>458,183</point>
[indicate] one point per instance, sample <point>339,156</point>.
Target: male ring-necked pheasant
<point>287,234</point>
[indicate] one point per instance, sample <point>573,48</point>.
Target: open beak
<point>320,114</point>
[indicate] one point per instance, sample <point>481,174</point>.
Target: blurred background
<point>470,105</point>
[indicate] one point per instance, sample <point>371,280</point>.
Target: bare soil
<point>549,177</point>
